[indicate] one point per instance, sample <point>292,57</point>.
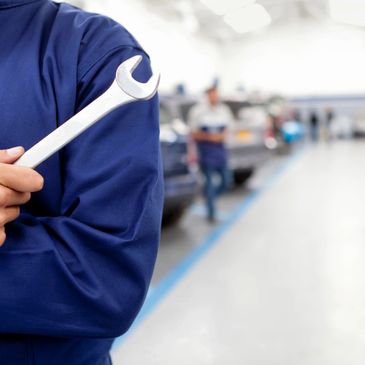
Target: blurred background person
<point>210,122</point>
<point>329,119</point>
<point>314,126</point>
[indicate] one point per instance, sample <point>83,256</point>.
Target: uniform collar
<point>13,3</point>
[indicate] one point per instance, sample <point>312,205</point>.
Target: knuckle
<point>9,214</point>
<point>3,156</point>
<point>33,181</point>
<point>3,217</point>
<point>41,182</point>
<point>16,212</point>
<point>3,196</point>
<point>38,182</point>
<point>27,197</point>
<point>2,237</point>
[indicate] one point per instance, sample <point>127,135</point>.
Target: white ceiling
<point>213,26</point>
<point>198,18</point>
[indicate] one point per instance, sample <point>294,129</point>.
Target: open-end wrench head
<point>135,89</point>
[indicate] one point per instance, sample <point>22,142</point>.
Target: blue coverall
<point>77,263</point>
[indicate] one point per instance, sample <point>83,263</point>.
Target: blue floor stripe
<point>158,293</point>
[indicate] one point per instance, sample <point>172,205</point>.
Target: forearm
<point>60,277</point>
<point>218,137</point>
<point>83,271</point>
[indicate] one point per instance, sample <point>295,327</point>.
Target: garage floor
<point>280,281</point>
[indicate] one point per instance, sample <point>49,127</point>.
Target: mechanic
<point>78,254</point>
<point>210,122</point>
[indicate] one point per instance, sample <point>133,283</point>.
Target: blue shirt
<point>77,263</point>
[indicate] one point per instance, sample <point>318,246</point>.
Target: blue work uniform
<point>213,156</point>
<point>77,263</point>
<point>211,119</point>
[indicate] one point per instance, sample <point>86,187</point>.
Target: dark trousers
<point>314,130</point>
<point>211,188</point>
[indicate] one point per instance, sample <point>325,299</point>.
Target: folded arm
<point>85,273</point>
<point>215,137</point>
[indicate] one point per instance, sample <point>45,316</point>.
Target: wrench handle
<point>99,108</point>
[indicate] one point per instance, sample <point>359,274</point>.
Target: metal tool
<point>125,89</point>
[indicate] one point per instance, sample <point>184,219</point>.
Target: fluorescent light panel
<point>222,7</point>
<point>348,11</point>
<point>248,19</point>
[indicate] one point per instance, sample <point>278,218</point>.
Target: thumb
<point>11,155</point>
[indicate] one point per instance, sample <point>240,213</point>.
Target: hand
<point>16,185</point>
<point>218,137</point>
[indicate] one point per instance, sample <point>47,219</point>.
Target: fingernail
<point>15,151</point>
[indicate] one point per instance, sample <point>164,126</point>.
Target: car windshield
<point>251,114</point>
<point>236,106</point>
<point>185,110</point>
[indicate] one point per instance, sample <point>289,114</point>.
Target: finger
<point>9,197</point>
<point>22,179</point>
<point>11,155</point>
<point>8,215</point>
<point>2,235</point>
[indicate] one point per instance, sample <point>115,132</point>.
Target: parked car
<point>359,125</point>
<point>179,164</point>
<point>250,142</point>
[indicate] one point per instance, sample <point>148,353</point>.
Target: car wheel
<point>241,176</point>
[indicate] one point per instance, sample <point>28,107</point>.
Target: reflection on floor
<point>284,285</point>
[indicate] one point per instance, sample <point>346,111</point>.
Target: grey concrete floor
<point>180,239</point>
<point>284,285</point>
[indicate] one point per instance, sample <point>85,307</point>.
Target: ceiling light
<point>248,19</point>
<point>222,7</point>
<point>189,18</point>
<point>348,11</point>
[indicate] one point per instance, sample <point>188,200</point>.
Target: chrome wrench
<point>125,89</point>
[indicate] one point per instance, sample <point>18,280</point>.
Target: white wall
<point>180,55</point>
<point>296,59</point>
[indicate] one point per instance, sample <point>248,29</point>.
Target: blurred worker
<point>276,116</point>
<point>314,126</point>
<point>297,115</point>
<point>330,116</point>
<point>77,261</point>
<point>210,122</point>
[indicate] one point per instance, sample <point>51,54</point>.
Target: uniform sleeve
<point>85,273</point>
